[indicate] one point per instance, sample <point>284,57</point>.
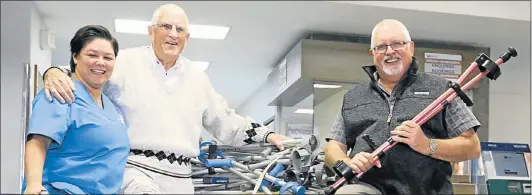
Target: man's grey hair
<point>166,8</point>
<point>386,22</point>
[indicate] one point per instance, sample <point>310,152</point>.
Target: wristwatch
<point>433,146</point>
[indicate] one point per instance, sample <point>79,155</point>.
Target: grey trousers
<point>358,188</point>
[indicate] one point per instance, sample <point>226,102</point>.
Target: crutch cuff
<point>486,64</point>
<point>456,87</point>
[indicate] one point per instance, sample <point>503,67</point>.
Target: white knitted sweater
<point>171,119</point>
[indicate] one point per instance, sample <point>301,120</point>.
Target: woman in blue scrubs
<point>79,148</point>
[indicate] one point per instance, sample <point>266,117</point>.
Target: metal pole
<point>25,115</point>
<point>249,179</point>
<point>35,77</point>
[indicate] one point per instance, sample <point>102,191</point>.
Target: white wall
<point>16,19</point>
<point>325,114</point>
<point>43,58</point>
<point>256,106</point>
<point>20,23</point>
<point>509,119</point>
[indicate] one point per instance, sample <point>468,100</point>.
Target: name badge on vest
<point>421,93</point>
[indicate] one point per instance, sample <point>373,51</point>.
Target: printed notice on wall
<point>447,66</point>
<point>297,131</point>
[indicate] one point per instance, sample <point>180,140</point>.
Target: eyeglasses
<point>395,46</point>
<point>168,28</point>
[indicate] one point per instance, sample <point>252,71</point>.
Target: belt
<point>160,155</point>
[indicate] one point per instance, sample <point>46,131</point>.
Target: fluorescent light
<point>325,86</point>
<point>304,111</point>
<point>203,65</point>
<point>196,31</point>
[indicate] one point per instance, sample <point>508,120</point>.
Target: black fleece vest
<point>366,110</point>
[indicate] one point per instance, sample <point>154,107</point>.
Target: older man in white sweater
<point>165,102</point>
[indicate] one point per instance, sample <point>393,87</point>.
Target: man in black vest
<point>383,107</point>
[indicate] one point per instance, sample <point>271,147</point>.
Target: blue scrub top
<point>90,145</point>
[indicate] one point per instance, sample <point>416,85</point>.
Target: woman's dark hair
<point>86,34</point>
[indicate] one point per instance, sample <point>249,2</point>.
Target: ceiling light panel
<point>304,111</point>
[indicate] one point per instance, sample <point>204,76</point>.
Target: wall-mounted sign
<point>447,66</point>
<point>296,131</point>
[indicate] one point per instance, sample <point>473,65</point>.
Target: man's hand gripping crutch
<point>487,68</point>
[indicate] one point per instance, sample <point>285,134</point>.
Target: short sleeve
<point>460,118</point>
<point>337,132</point>
<point>49,119</point>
